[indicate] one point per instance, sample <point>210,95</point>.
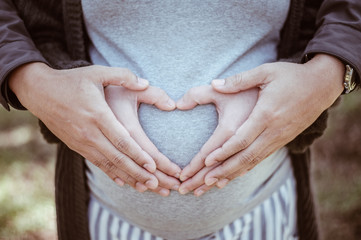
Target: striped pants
<point>273,219</point>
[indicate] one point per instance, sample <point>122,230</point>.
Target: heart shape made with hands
<point>178,134</point>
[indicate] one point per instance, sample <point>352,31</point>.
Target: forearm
<point>339,32</point>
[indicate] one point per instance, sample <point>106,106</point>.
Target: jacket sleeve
<point>339,32</point>
<point>43,21</point>
<point>16,49</point>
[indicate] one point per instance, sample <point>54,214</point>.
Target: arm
<point>339,33</point>
<point>71,102</point>
<point>280,117</point>
<point>16,49</point>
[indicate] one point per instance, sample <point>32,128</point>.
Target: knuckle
<point>224,172</point>
<point>157,156</point>
<point>248,158</point>
<point>119,160</point>
<point>127,74</point>
<point>241,143</point>
<point>98,164</point>
<point>235,80</point>
<point>122,144</point>
<point>109,167</point>
<point>129,180</point>
<point>138,175</point>
<point>84,136</point>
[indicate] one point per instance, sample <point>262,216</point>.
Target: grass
<point>27,172</point>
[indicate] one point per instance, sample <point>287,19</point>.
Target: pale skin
<point>71,103</point>
<point>281,99</point>
<point>291,97</point>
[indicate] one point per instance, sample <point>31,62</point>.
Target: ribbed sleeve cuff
<point>340,41</point>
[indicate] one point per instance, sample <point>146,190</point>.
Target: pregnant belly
<point>179,135</point>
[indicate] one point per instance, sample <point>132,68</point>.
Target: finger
<point>166,181</point>
<point>242,81</point>
<point>121,161</point>
<point>223,182</point>
<point>117,175</point>
<point>219,136</point>
<point>244,136</point>
<point>162,191</point>
<point>123,142</point>
<point>158,97</point>
<point>121,77</point>
<point>195,182</point>
<point>202,190</point>
<point>162,162</point>
<point>196,96</point>
<point>242,161</point>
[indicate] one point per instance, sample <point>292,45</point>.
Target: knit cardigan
<point>59,33</point>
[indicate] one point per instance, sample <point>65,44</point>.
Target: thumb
<point>196,96</point>
<point>158,97</point>
<point>240,82</point>
<point>122,77</point>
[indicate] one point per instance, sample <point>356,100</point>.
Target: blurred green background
<point>27,175</point>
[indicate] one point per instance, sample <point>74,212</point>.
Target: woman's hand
<point>233,110</point>
<point>124,104</point>
<point>291,98</point>
<point>71,104</point>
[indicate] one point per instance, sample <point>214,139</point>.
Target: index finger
<point>123,142</point>
<point>219,136</point>
<point>245,135</point>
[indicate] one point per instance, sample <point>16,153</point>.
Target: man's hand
<point>71,104</point>
<point>233,110</point>
<point>291,97</point>
<point>124,104</point>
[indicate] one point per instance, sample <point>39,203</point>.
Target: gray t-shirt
<point>177,45</point>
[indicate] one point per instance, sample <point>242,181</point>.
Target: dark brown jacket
<point>58,32</point>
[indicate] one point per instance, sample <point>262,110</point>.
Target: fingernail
<point>211,181</point>
<point>171,103</point>
<point>142,81</point>
<point>150,167</point>
<point>198,193</point>
<point>164,192</point>
<point>180,102</point>
<point>218,82</point>
<point>183,191</point>
<point>209,163</point>
<point>152,184</point>
<point>119,181</point>
<point>140,187</point>
<point>222,183</point>
<point>183,178</point>
<point>175,187</point>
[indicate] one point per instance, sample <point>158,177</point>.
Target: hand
<point>124,104</point>
<point>291,98</point>
<point>233,110</point>
<point>71,104</point>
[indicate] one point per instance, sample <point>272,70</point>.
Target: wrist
<point>26,77</point>
<point>330,72</point>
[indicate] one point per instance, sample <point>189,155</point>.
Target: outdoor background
<point>27,172</point>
